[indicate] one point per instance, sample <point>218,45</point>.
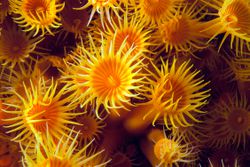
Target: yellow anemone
<point>104,77</point>
<point>37,14</point>
<point>62,154</point>
<point>42,106</point>
<point>233,19</point>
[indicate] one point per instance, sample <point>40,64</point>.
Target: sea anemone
<point>233,19</point>
<point>42,106</point>
<point>132,31</point>
<point>37,14</point>
<point>239,69</point>
<point>228,122</point>
<point>175,95</point>
<point>182,32</point>
<point>166,151</point>
<point>103,8</point>
<point>91,127</point>
<point>74,21</point>
<point>51,154</point>
<point>104,76</point>
<point>13,79</point>
<point>154,12</point>
<point>16,46</point>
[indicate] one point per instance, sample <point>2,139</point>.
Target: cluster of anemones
<point>82,81</point>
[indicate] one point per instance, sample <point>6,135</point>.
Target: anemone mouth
<point>43,116</point>
<point>167,151</point>
<point>36,8</point>
<point>55,162</point>
<point>238,120</point>
<point>110,78</point>
<point>235,16</point>
<point>176,31</point>
<point>157,9</point>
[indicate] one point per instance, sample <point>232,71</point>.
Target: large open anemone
<point>233,19</point>
<point>38,15</point>
<point>40,108</point>
<point>176,93</point>
<point>16,46</point>
<point>103,8</point>
<point>155,11</point>
<point>104,77</point>
<point>181,33</point>
<point>228,122</point>
<point>48,153</point>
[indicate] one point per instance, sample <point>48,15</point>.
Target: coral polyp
<point>175,95</point>
<point>38,15</point>
<point>129,30</point>
<point>182,32</point>
<point>167,151</point>
<point>41,107</point>
<point>103,8</point>
<point>155,11</point>
<point>228,124</point>
<point>16,46</point>
<point>91,127</point>
<point>104,77</point>
<point>233,20</point>
<point>62,154</point>
<point>74,21</point>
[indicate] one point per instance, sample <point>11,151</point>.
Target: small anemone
<point>58,154</point>
<point>103,8</point>
<point>16,46</point>
<point>91,127</point>
<point>168,151</point>
<point>233,19</point>
<point>37,14</point>
<point>181,33</point>
<point>131,30</point>
<point>228,122</point>
<point>74,21</point>
<point>154,12</point>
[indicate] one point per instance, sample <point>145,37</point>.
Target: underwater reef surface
<point>124,83</point>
